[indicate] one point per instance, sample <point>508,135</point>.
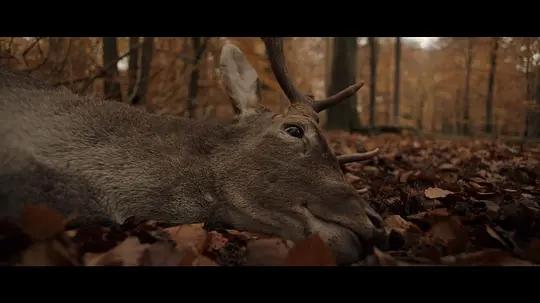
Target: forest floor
<point>444,202</point>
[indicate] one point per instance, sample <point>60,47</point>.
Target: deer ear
<point>240,80</point>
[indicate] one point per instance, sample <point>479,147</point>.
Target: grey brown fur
<point>107,161</point>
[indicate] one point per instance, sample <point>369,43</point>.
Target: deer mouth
<point>348,243</point>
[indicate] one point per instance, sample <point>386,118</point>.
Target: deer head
<point>282,178</point>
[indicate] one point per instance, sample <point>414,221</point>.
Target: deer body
<point>106,161</point>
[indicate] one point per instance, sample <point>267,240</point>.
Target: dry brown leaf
<point>127,253</point>
<point>533,251</point>
<point>488,257</point>
<point>311,252</point>
<point>161,254</point>
<point>436,193</point>
<point>49,253</point>
<point>189,235</point>
<point>384,259</point>
<point>397,223</point>
<point>451,233</point>
<point>216,241</point>
<point>476,186</point>
<point>193,258</point>
<point>267,252</point>
<point>41,222</point>
<point>430,216</point>
<point>351,178</point>
<point>203,261</point>
<point>448,167</point>
<point>492,233</point>
<point>403,178</point>
<point>189,257</point>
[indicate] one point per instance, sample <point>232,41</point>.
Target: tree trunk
<point>420,116</point>
<point>533,116</point>
<point>344,115</point>
<point>537,95</point>
<point>372,79</point>
<point>466,97</point>
<point>457,113</point>
<point>143,76</point>
<point>397,80</point>
<point>134,59</point>
<point>199,46</point>
<point>491,84</point>
<point>111,88</point>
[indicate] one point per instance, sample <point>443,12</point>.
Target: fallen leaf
<point>127,253</point>
<point>533,251</point>
<point>189,235</point>
<point>435,193</point>
<point>267,252</point>
<point>203,261</point>
<point>41,222</point>
<point>397,223</point>
<point>49,253</point>
<point>311,252</point>
<point>216,241</point>
<point>492,233</point>
<point>492,208</point>
<point>403,178</point>
<point>509,190</point>
<point>450,233</point>
<point>488,257</point>
<point>350,178</point>
<point>448,167</point>
<point>384,259</point>
<point>161,254</point>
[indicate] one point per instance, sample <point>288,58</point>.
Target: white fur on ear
<point>240,80</point>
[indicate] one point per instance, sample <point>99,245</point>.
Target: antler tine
<point>321,105</point>
<point>274,47</point>
<point>358,157</point>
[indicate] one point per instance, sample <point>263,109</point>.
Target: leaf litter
<point>444,202</point>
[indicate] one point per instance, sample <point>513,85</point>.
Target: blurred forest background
<point>473,86</point>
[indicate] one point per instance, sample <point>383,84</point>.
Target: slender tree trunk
<point>466,94</point>
<point>134,59</point>
<point>457,112</point>
<point>344,115</point>
<point>420,116</point>
<point>143,75</point>
<point>111,88</point>
<point>527,86</point>
<point>397,80</point>
<point>199,46</point>
<point>533,112</point>
<point>537,95</point>
<point>491,84</point>
<point>373,79</point>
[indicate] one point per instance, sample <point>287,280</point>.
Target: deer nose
<point>376,235</point>
<point>379,238</point>
<point>374,217</point>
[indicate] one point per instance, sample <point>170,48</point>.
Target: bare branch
<point>28,49</point>
<point>101,72</point>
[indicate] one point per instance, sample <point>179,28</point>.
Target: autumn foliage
<point>444,202</point>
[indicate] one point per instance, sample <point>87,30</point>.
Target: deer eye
<point>295,131</point>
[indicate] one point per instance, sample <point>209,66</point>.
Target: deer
<point>264,172</point>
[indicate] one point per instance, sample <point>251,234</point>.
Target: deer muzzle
<point>351,228</point>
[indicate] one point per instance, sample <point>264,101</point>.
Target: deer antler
<point>274,47</point>
<point>358,157</point>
